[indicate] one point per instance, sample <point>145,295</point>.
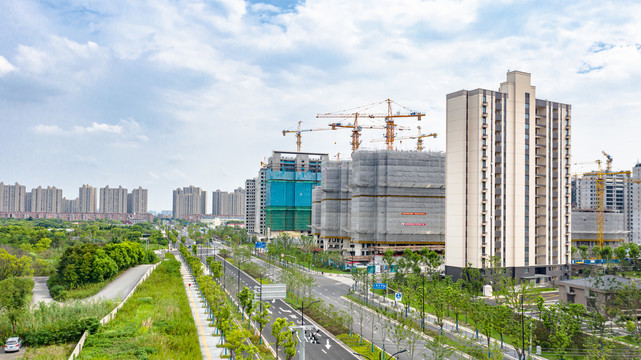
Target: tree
<point>246,299</point>
<point>13,297</point>
<point>262,318</point>
<point>397,332</point>
<point>280,331</point>
<point>437,298</point>
<point>471,280</point>
<point>289,345</point>
<point>583,251</point>
<point>10,265</point>
<point>563,321</point>
<point>487,321</point>
<point>388,259</point>
<point>438,348</point>
<point>502,317</point>
<point>412,339</point>
<point>215,267</point>
<point>236,342</point>
<point>626,302</point>
<point>633,253</point>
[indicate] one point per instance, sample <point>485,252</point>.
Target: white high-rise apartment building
<point>13,198</point>
<point>87,199</point>
<point>137,201</point>
<point>113,201</point>
<point>250,205</point>
<point>189,201</point>
<point>508,181</point>
<point>47,200</point>
<point>635,205</point>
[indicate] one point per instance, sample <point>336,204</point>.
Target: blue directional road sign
<point>380,286</point>
<point>398,296</point>
<point>260,245</point>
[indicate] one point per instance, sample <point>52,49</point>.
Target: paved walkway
<point>40,291</point>
<point>206,334</point>
<point>121,286</point>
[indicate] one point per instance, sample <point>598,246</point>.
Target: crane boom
<point>389,117</point>
<point>299,133</point>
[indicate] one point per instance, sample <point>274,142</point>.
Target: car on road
<point>13,344</point>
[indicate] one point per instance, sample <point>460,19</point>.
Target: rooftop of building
<point>604,282</point>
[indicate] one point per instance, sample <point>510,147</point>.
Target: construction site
<point>381,199</point>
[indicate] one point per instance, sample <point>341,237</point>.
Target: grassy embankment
<point>155,323</point>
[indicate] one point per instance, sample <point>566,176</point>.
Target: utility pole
<point>423,307</point>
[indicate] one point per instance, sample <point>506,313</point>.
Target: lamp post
<point>522,328</point>
<point>292,256</point>
<point>423,307</point>
<point>302,310</point>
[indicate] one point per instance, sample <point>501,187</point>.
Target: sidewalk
<point>206,334</point>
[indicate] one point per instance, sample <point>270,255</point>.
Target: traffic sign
<point>260,245</point>
<point>271,291</point>
<point>398,296</point>
<point>380,286</point>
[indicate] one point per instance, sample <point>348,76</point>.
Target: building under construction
<point>282,192</point>
<point>585,232</point>
<point>379,200</point>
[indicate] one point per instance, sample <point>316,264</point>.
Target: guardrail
<point>105,320</point>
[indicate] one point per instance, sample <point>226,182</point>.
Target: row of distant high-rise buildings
<point>16,199</point>
<point>191,202</point>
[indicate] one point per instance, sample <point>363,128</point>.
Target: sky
<point>166,94</point>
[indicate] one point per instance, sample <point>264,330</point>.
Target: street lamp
<point>391,356</point>
<point>396,353</point>
<point>302,310</point>
<point>292,256</point>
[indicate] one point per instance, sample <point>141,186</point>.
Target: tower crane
<point>357,129</point>
<point>361,111</point>
<point>600,193</point>
<point>299,132</point>
<point>608,162</point>
<point>419,139</point>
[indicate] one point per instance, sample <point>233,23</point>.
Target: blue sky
<point>165,94</point>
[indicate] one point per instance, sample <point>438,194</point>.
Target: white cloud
<point>125,128</point>
<point>262,7</point>
<point>48,129</point>
<point>5,66</point>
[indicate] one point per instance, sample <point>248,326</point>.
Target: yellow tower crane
<point>600,193</point>
<point>361,111</point>
<point>419,139</point>
<point>299,133</point>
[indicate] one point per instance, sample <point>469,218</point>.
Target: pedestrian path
<point>207,336</point>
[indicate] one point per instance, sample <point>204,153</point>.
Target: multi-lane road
<point>320,346</point>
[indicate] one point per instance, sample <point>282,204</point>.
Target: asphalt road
<point>323,347</point>
<point>12,355</point>
<point>122,285</point>
<point>40,291</point>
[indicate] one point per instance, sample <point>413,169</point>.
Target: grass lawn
<point>363,348</point>
<point>86,290</point>
<point>51,352</point>
<point>155,323</point>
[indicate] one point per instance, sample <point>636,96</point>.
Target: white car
<point>13,344</point>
